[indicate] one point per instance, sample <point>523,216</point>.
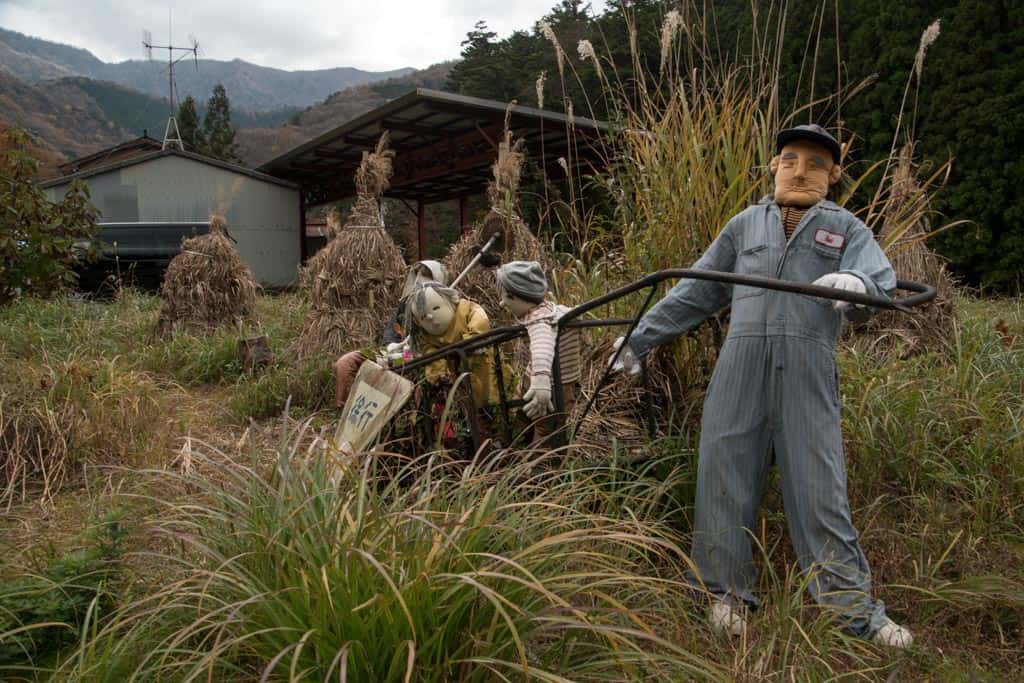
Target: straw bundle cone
<point>521,244</point>
<point>207,284</point>
<point>353,284</point>
<point>619,414</point>
<point>315,263</point>
<point>927,328</point>
<point>480,284</point>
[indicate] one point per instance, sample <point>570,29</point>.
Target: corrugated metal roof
<point>444,144</point>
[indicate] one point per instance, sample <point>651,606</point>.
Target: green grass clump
<point>310,572</point>
<point>62,328</point>
<point>310,387</point>
<point>943,426</point>
<point>42,613</point>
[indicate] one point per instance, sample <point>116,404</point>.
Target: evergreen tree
<point>217,128</point>
<point>188,125</point>
<point>477,73</point>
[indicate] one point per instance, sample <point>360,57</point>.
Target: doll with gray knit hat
<point>523,288</point>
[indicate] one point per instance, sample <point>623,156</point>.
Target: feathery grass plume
<point>669,28</point>
<point>354,282</point>
<point>929,36</point>
<point>549,35</point>
<point>225,197</point>
<point>539,87</point>
<point>503,192</point>
<point>207,284</point>
<point>586,51</point>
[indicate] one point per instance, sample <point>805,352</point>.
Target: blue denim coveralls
<point>775,387</point>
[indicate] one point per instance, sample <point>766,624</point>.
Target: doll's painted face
<point>513,304</point>
<point>803,173</point>
<point>436,313</point>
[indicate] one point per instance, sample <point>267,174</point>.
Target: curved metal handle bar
<point>924,293</point>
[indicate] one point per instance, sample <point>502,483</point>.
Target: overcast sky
<point>295,34</point>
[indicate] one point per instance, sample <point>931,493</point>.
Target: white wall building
<point>171,186</point>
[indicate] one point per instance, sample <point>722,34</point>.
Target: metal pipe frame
<point>922,294</point>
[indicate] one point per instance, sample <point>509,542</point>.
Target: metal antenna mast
<point>171,134</point>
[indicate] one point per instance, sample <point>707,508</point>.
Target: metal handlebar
<point>925,293</point>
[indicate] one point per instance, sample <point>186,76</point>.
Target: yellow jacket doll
<point>438,316</point>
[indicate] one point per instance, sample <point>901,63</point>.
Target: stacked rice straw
<point>521,244</point>
<point>207,285</point>
<point>905,229</point>
<point>353,284</point>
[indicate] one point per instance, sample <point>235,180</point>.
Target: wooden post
<point>463,216</point>
<point>421,234</point>
<point>302,228</point>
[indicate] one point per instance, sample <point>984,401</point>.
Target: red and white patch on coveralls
<point>829,239</point>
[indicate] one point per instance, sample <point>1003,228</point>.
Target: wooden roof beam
<point>456,165</point>
<point>360,141</point>
<point>489,117</point>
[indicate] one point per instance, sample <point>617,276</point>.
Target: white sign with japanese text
<point>377,394</point>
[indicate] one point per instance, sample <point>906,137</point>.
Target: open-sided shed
<point>444,144</point>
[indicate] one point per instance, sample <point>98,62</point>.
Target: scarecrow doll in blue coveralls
<point>775,388</point>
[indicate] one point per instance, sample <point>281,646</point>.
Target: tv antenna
<point>175,54</point>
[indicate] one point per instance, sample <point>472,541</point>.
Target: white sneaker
<point>724,618</point>
<point>893,635</point>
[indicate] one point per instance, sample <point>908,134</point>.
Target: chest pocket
<point>752,261</point>
<point>821,261</point>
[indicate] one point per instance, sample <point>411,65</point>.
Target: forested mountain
<point>254,88</point>
<point>63,120</point>
<point>969,103</point>
<point>257,145</point>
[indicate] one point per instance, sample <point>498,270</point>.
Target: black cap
<point>812,132</point>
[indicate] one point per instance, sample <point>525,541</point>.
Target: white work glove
<point>396,350</point>
<point>627,359</point>
<point>844,281</point>
<point>538,397</point>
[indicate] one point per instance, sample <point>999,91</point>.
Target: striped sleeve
<point>542,340</point>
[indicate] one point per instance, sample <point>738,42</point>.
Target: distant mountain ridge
<point>250,86</point>
<point>72,116</point>
<point>257,145</point>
